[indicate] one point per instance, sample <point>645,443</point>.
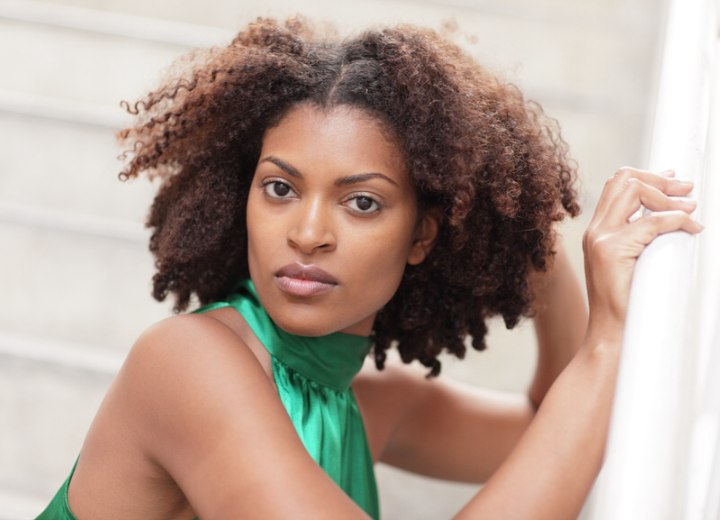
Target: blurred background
<point>74,267</point>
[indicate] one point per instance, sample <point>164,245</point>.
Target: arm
<point>452,431</point>
<point>566,441</point>
<point>560,321</point>
<point>206,413</point>
<point>552,459</point>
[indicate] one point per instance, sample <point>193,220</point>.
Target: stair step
<point>86,289</point>
<point>45,412</point>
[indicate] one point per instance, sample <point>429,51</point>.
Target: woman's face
<point>332,221</point>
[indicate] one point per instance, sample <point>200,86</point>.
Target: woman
<point>322,199</point>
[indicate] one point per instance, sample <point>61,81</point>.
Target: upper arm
<point>212,420</point>
<point>441,428</point>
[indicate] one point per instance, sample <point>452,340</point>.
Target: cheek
<point>384,253</point>
<point>257,228</point>
<point>381,278</point>
<point>250,222</point>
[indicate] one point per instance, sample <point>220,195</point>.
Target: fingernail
<point>686,183</point>
<point>668,173</point>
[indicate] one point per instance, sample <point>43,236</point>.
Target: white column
<point>662,450</point>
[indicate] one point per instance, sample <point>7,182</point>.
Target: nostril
<point>312,228</point>
<point>308,245</point>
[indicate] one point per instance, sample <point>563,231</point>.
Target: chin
<point>304,329</point>
<point>303,326</point>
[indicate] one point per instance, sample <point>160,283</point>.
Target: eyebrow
<point>343,181</point>
<point>362,177</point>
<point>290,170</point>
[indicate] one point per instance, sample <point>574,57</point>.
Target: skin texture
<point>319,222</point>
<point>205,433</point>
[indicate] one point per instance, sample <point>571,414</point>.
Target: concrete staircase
<point>74,267</point>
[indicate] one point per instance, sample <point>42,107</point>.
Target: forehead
<point>347,138</point>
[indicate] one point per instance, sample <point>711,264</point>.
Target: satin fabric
<point>313,376</point>
<point>59,509</point>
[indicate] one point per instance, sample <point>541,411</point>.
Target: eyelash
<point>375,204</point>
<point>373,201</point>
<point>271,182</point>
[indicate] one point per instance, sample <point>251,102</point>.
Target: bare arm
<point>213,422</point>
<point>543,467</point>
<point>560,322</point>
<point>556,461</point>
<point>438,427</point>
<point>453,431</point>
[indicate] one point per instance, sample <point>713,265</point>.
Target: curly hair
<point>489,161</point>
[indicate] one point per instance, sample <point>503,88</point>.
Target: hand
<point>612,243</point>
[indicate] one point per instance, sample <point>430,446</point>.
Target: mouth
<point>304,280</point>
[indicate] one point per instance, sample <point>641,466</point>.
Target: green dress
<point>313,376</point>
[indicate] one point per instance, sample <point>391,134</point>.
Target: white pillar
<point>662,448</point>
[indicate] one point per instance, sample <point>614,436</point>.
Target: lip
<point>304,280</point>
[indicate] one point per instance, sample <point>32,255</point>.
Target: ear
<point>426,232</point>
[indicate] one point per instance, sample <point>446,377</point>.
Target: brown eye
<point>280,189</point>
<point>277,189</point>
<point>363,204</point>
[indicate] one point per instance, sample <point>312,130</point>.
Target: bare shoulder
<point>218,427</point>
<point>195,403</point>
<point>185,379</point>
<point>181,366</point>
<point>189,345</point>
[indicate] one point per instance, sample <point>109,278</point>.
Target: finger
<point>678,188</point>
<point>617,184</point>
<point>638,194</point>
<point>667,184</point>
<point>647,228</point>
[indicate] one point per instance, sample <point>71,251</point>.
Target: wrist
<point>605,328</point>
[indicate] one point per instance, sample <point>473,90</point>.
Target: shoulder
<point>186,373</point>
<point>189,383</point>
<point>185,340</point>
<point>190,348</point>
<point>208,416</point>
<point>185,329</point>
<point>187,348</point>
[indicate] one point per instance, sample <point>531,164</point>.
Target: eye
<point>363,204</point>
<point>277,189</point>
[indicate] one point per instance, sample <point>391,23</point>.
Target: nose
<point>312,228</point>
